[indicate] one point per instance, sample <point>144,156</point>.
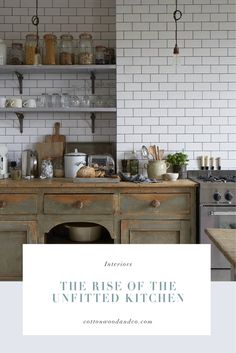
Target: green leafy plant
<point>177,159</point>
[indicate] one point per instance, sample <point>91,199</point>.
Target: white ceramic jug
<point>155,169</point>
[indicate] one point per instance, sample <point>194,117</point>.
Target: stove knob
<point>217,196</point>
<point>229,196</point>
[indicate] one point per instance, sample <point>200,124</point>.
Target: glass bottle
<point>3,52</point>
<point>85,49</point>
<point>67,56</point>
<point>17,55</point>
<point>100,55</point>
<point>30,49</point>
<point>50,49</point>
<point>134,164</point>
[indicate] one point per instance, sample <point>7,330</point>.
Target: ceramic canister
<point>155,169</point>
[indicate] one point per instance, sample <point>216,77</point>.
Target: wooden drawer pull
<point>79,204</point>
<point>155,203</point>
<point>3,204</point>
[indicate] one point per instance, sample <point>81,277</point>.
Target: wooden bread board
<point>49,150</point>
<point>56,137</point>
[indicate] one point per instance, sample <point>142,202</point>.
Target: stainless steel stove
<point>217,209</point>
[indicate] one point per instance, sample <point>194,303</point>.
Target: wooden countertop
<point>225,240</point>
<point>66,182</point>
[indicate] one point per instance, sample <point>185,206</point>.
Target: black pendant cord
<point>35,22</point>
<point>177,16</point>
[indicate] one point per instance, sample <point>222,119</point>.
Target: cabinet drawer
<point>87,204</point>
<point>18,204</point>
<point>165,205</point>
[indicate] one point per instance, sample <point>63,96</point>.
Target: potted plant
<point>179,161</point>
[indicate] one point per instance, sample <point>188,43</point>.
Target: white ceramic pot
<point>73,162</point>
<point>155,169</point>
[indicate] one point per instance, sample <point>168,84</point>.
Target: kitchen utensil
<point>161,154</point>
<point>73,162</point>
<point>29,164</point>
<point>152,151</point>
<point>145,152</point>
<point>56,137</point>
<point>157,152</point>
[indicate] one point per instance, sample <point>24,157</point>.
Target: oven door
<point>216,217</point>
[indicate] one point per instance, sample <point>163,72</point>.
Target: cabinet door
<point>13,234</point>
<point>155,232</point>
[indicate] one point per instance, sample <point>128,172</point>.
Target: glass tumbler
<point>56,100</point>
<point>65,100</point>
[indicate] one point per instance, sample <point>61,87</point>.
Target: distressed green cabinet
<point>155,232</point>
<point>13,234</point>
<point>32,211</point>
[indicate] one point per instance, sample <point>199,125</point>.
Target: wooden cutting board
<point>56,137</point>
<point>51,150</point>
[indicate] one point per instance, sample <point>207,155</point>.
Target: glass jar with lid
<point>100,55</point>
<point>67,56</point>
<point>85,49</point>
<point>50,49</point>
<point>17,54</point>
<point>30,49</point>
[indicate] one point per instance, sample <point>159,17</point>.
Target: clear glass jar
<point>67,56</point>
<point>30,49</point>
<point>16,54</point>
<point>85,49</point>
<point>50,49</point>
<point>100,55</point>
<point>3,52</point>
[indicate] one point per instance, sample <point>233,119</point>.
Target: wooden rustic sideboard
<point>162,213</point>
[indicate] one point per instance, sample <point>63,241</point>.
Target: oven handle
<point>218,213</point>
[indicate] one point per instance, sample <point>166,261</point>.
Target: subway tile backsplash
<point>190,106</point>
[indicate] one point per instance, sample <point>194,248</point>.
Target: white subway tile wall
<point>190,106</point>
<point>57,16</point>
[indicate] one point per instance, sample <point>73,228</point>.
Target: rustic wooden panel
<point>170,205</point>
<point>11,252</point>
<point>155,232</point>
<point>13,234</point>
<point>81,204</point>
<point>18,204</point>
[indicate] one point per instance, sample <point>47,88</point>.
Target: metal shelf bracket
<point>93,78</point>
<point>20,78</point>
<point>20,117</point>
<point>93,117</point>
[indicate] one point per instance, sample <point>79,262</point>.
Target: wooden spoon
<point>152,151</point>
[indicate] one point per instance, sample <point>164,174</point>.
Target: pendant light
<point>35,22</point>
<point>177,16</point>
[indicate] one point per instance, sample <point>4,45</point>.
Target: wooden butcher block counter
<point>33,211</point>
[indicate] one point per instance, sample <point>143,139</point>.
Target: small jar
<point>100,55</point>
<point>30,49</point>
<point>3,52</point>
<point>85,49</point>
<point>17,55</point>
<point>46,169</point>
<point>50,49</point>
<point>67,56</point>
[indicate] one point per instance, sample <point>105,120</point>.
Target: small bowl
<point>171,176</point>
<point>84,232</point>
